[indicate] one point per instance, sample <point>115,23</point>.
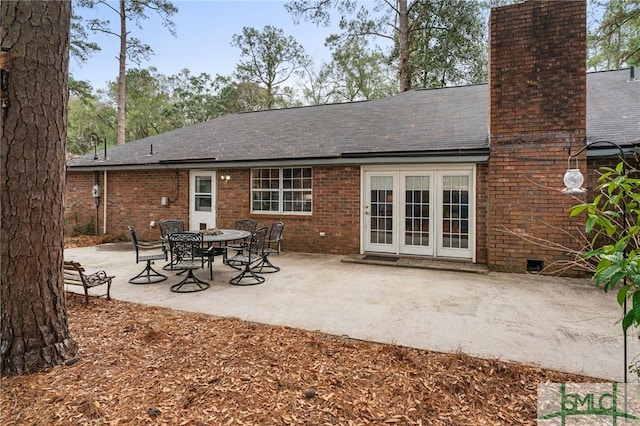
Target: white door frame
<point>383,238</point>
<point>404,248</point>
<point>436,172</point>
<point>202,205</point>
<point>441,250</point>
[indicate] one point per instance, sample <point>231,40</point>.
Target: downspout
<point>104,203</point>
<point>95,191</point>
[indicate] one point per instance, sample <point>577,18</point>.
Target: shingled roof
<point>417,123</point>
<point>613,107</point>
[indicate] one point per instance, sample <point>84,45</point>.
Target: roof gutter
<point>351,159</point>
<point>440,153</point>
<point>603,151</point>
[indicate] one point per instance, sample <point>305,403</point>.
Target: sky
<point>204,29</point>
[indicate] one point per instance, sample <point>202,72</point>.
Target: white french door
<point>202,199</point>
<point>417,225</point>
<point>454,224</point>
<point>419,211</point>
<point>380,212</point>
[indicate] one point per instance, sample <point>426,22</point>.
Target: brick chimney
<point>537,83</point>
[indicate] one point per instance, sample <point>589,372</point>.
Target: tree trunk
<point>403,45</point>
<point>33,316</point>
<point>122,88</point>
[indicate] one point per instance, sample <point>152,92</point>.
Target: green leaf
<point>576,210</point>
<point>592,221</point>
<point>592,253</point>
<point>622,294</point>
<point>633,316</point>
<point>627,321</point>
<point>636,304</point>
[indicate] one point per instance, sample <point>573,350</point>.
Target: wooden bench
<point>74,274</point>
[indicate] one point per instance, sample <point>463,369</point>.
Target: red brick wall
<point>482,198</point>
<point>336,211</point>
<point>79,215</point>
<point>537,111</point>
<point>133,198</point>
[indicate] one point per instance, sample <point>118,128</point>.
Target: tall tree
<point>388,20</point>
<point>448,46</point>
<point>34,332</point>
<point>360,73</point>
<point>316,85</point>
<point>243,96</point>
<point>399,22</point>
<point>614,40</point>
<point>147,102</point>
<point>130,47</point>
<point>271,59</point>
<point>88,114</point>
<point>194,98</point>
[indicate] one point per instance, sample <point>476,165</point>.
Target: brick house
<point>451,173</point>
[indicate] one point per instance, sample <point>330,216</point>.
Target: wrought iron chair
<point>187,249</point>
<point>249,225</point>
<point>149,274</point>
<point>271,246</point>
<point>248,258</point>
<point>168,227</point>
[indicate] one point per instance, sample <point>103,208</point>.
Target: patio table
<point>223,235</point>
<point>212,237</point>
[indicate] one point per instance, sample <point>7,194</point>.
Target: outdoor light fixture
<point>573,180</point>
<point>225,178</point>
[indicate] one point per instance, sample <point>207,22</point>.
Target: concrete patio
<point>565,324</point>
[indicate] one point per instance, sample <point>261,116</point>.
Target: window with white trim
<point>282,190</point>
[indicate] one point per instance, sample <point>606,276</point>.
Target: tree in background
<point>360,73</point>
<point>156,104</point>
<point>89,113</point>
<point>448,46</point>
<point>271,59</point>
<point>80,49</point>
<point>194,98</point>
<point>34,333</point>
<point>147,102</point>
<point>389,21</point>
<point>316,84</point>
<point>130,47</point>
<point>408,25</point>
<point>243,96</point>
<point>614,40</point>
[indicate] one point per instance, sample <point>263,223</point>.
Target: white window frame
<point>281,191</point>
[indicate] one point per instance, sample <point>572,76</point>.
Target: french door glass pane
<point>455,212</point>
<point>382,209</point>
<point>417,211</point>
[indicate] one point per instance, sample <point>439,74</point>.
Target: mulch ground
<point>140,365</point>
<point>90,240</point>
